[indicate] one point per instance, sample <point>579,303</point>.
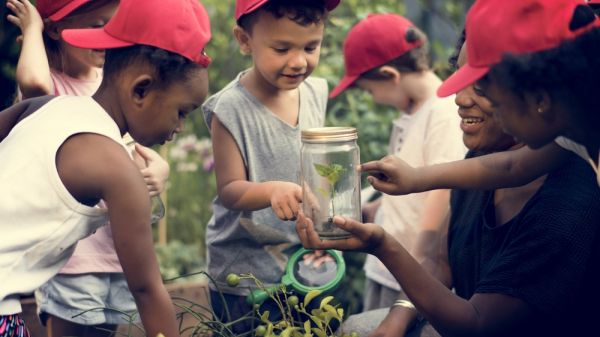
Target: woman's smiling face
<point>481,132</point>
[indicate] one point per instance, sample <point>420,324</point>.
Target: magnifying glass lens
<point>315,275</point>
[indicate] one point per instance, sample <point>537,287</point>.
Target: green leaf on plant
<point>319,332</point>
<point>307,327</point>
<point>325,301</point>
<point>331,172</point>
<point>265,316</point>
<point>331,312</point>
<point>310,296</point>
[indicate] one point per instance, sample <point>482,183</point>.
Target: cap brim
<point>66,10</point>
<point>343,85</point>
<point>461,79</point>
<point>93,39</point>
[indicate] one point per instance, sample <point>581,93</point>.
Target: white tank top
<point>40,222</point>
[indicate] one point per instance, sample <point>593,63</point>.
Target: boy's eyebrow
<point>290,43</point>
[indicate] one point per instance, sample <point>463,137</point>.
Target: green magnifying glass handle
<point>258,296</point>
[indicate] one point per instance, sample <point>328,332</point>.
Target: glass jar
<point>329,178</point>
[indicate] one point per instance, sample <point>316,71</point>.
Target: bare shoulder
<point>92,166</point>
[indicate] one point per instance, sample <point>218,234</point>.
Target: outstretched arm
<point>33,69</point>
<point>93,167</point>
<point>233,187</point>
<point>481,315</point>
<point>498,170</point>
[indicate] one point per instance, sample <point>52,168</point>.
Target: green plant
<point>332,173</point>
<point>298,318</point>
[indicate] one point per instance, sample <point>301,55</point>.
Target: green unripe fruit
<point>260,330</point>
<point>293,300</point>
<point>233,280</point>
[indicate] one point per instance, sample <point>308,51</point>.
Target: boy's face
<point>95,17</point>
<point>519,115</point>
<point>284,52</point>
<point>162,110</point>
<point>385,92</point>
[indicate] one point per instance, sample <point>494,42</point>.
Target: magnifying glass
<point>303,277</point>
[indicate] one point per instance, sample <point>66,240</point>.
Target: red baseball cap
<point>497,27</point>
<point>179,26</point>
<point>243,7</point>
<point>374,41</point>
<point>55,10</point>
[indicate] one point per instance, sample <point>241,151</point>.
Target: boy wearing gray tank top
<point>255,124</point>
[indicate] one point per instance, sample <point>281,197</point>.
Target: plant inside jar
<point>333,173</point>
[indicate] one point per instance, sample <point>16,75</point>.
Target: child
<point>255,124</point>
<point>554,70</point>
<point>387,56</point>
<point>61,160</point>
<point>93,277</point>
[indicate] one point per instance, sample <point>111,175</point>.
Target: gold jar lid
<point>329,134</point>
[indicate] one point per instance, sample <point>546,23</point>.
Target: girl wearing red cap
<point>544,82</point>
<point>93,278</point>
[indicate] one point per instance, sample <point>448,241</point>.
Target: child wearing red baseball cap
<point>542,74</point>
<point>255,124</point>
<point>387,56</point>
<point>61,155</point>
<point>47,65</point>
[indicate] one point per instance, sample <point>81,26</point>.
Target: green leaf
<point>310,296</point>
<point>319,332</point>
<point>330,310</point>
<point>325,301</point>
<point>265,316</point>
<point>323,192</point>
<point>322,170</point>
<point>307,327</point>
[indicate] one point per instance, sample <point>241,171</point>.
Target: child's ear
<point>243,39</point>
<point>542,103</point>
<point>390,73</point>
<point>141,87</point>
<point>52,29</point>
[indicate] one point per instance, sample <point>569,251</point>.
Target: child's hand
<point>25,16</point>
<point>316,258</point>
<point>365,237</point>
<point>285,200</point>
<point>390,175</point>
<point>156,171</point>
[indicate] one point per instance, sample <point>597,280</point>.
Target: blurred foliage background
<point>192,184</point>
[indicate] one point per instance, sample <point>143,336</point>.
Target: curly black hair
<point>570,73</point>
<point>169,66</point>
<point>453,58</point>
<point>303,12</point>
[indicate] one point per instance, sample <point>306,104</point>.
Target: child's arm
<point>233,187</point>
<point>94,167</point>
<point>33,70</point>
<point>498,170</point>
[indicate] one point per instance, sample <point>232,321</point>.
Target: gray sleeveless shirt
<point>258,242</point>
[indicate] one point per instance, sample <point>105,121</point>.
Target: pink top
<point>96,253</point>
